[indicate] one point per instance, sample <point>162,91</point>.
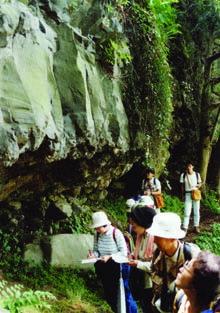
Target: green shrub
<point>173,204</point>
<point>15,298</point>
<point>210,240</point>
<point>210,200</point>
<point>116,211</point>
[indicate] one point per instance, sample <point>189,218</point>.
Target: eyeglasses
<point>186,266</point>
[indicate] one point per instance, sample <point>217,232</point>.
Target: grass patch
<point>211,201</point>
<point>173,204</point>
<point>210,240</point>
<point>116,210</point>
<point>74,290</point>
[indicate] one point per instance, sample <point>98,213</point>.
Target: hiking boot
<point>197,229</point>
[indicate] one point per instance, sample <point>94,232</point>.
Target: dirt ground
<point>207,219</point>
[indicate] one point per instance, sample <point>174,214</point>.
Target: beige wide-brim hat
<point>167,225</point>
<point>99,219</point>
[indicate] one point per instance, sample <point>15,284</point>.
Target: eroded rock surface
<point>56,102</point>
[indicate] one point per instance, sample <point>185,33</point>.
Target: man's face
<point>190,168</point>
<point>149,175</point>
<point>163,244</point>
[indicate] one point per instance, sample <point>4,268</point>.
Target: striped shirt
<point>105,244</point>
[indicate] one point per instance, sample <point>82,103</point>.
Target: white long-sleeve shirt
<point>105,244</point>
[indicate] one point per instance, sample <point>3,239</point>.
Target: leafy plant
<point>119,51</point>
<point>147,93</point>
<point>173,204</point>
<point>14,298</point>
<point>115,209</point>
<point>11,253</point>
<point>165,15</point>
<point>210,200</point>
<point>210,240</point>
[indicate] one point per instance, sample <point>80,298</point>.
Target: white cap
<point>130,204</point>
<point>99,219</point>
<point>167,225</point>
<point>145,201</point>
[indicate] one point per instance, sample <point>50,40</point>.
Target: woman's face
<point>185,275</point>
<point>136,228</point>
<point>102,229</point>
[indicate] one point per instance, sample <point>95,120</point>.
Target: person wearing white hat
<point>170,255</point>
<point>130,204</point>
<point>146,201</point>
<point>110,241</point>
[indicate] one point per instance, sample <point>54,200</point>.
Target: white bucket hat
<point>130,204</point>
<point>99,219</point>
<point>145,200</point>
<point>167,225</point>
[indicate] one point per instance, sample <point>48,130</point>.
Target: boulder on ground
<point>67,250</point>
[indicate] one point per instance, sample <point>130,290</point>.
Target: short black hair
<point>190,162</point>
<point>150,170</point>
<point>143,216</point>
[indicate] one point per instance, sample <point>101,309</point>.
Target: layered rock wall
<point>56,102</point>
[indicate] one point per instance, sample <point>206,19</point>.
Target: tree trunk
<point>214,168</point>
<point>205,157</point>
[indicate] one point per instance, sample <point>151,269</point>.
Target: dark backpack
<point>186,251</point>
<point>168,296</point>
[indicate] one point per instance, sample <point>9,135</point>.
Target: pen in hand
<point>90,255</point>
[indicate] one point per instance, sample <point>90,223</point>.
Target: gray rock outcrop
<point>56,101</point>
<point>68,250</point>
<point>63,250</point>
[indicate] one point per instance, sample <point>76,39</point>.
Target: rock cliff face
<point>61,115</point>
<point>65,133</point>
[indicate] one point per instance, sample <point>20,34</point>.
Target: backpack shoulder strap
<point>197,177</point>
<point>156,253</point>
<point>114,230</point>
<point>187,251</point>
<point>144,181</point>
<point>97,236</point>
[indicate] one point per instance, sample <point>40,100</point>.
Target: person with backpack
<point>109,242</point>
<point>190,181</point>
<point>140,281</point>
<point>151,186</point>
<point>170,255</point>
<point>199,284</point>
